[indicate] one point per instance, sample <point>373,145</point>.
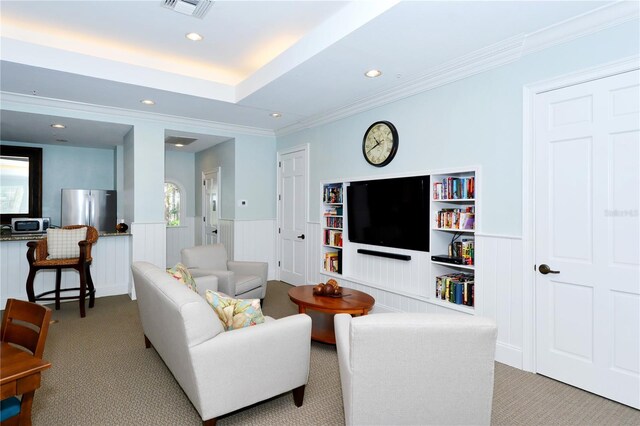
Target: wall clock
<point>380,143</point>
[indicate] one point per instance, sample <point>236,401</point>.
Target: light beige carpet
<point>103,375</point>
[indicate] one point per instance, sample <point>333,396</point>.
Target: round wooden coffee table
<point>323,308</point>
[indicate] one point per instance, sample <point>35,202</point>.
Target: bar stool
<point>39,258</point>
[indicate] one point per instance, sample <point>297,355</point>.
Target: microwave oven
<point>30,225</point>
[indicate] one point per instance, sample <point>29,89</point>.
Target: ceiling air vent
<point>179,140</point>
<point>197,8</point>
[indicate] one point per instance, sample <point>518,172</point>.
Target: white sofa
<point>219,371</point>
<point>417,369</point>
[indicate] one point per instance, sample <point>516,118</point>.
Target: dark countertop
<point>39,236</point>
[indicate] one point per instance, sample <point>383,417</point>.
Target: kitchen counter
<point>110,268</point>
<point>39,236</point>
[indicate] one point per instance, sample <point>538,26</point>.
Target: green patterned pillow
<point>182,274</point>
<point>235,313</point>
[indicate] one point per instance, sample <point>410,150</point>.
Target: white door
<point>292,212</point>
<point>587,233</point>
<point>210,207</point>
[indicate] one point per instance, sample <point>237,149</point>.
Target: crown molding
<point>18,102</point>
<point>582,25</point>
<point>496,55</point>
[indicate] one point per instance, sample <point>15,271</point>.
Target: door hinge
<point>278,230</point>
<point>204,183</point>
<point>279,197</point>
<point>204,219</point>
<point>278,263</point>
<point>279,163</point>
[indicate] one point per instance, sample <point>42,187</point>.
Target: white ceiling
<point>304,59</point>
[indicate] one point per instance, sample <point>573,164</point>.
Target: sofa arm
<point>206,282</point>
<point>241,367</point>
<point>260,269</point>
<point>341,325</point>
<point>226,279</point>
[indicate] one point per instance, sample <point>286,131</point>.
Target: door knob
<point>301,236</point>
<point>544,269</point>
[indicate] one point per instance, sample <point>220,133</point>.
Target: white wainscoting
<point>502,292</point>
<point>400,286</point>
<point>256,240</point>
<point>110,269</point>
<point>149,245</point>
<point>179,237</point>
<point>226,228</point>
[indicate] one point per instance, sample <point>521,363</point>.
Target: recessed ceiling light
<point>62,140</point>
<point>179,145</point>
<point>373,73</point>
<point>148,102</point>
<point>58,126</point>
<point>275,115</point>
<point>194,36</point>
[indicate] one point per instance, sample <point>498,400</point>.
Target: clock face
<point>380,143</point>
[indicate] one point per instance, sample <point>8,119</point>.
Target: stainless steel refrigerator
<point>95,207</point>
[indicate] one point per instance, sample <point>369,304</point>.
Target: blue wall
<point>474,121</point>
<point>73,168</point>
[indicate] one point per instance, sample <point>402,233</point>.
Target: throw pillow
<point>63,243</point>
<point>182,274</point>
<point>235,313</point>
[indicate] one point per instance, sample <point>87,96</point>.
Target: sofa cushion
<point>235,313</point>
<point>63,243</point>
<point>182,274</point>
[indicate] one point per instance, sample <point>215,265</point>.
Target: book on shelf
<point>454,188</point>
<point>456,218</point>
<point>333,262</point>
<point>333,237</point>
<point>456,288</point>
<point>334,222</point>
<point>464,250</point>
<point>332,194</point>
<point>333,211</point>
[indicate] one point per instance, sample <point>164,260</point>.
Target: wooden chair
<point>24,325</point>
<point>37,257</point>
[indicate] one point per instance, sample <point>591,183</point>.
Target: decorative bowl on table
<point>330,289</point>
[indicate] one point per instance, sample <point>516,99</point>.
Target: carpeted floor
<point>103,375</point>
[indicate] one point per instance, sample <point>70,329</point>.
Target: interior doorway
<point>581,227</point>
<point>292,215</point>
<point>211,206</point>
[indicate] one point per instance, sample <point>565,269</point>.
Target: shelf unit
<point>454,221</point>
<point>332,227</point>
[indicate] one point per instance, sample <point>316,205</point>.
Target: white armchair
<point>427,369</point>
<point>246,280</point>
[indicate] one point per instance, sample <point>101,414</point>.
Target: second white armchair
<point>242,279</point>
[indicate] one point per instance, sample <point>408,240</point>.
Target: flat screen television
<point>390,212</point>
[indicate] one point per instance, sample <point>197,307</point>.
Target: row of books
<point>332,194</point>
<point>452,188</point>
<point>333,211</point>
<point>333,262</point>
<point>464,249</point>
<point>455,218</point>
<point>333,238</point>
<point>456,288</point>
<point>334,222</point>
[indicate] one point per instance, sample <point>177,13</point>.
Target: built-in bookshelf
<point>332,226</point>
<point>454,221</point>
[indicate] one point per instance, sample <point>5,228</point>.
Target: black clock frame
<point>394,148</point>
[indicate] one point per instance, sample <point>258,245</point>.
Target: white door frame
<point>528,190</point>
<point>218,172</point>
<point>305,149</point>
